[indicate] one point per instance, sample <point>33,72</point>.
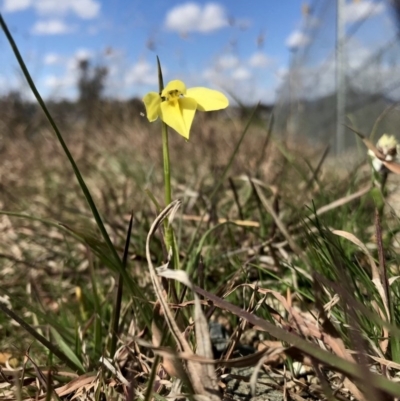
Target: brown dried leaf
<point>76,384</point>
<point>203,381</point>
<point>169,363</point>
<point>207,373</point>
<point>392,166</point>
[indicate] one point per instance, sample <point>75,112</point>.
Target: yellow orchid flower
<point>177,105</point>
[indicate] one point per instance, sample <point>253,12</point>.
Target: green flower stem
<point>167,170</point>
<point>167,184</point>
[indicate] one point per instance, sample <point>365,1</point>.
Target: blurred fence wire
<point>345,69</point>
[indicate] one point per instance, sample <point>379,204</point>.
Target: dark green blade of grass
<point>46,343</point>
<point>50,389</point>
<point>97,334</point>
<point>49,319</point>
<point>118,298</point>
<point>66,349</point>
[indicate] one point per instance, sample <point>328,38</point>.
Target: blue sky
<point>237,46</point>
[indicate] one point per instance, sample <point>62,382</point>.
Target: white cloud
<point>227,61</point>
<point>85,9</point>
<point>51,27</point>
<point>192,17</point>
<point>297,39</point>
<point>356,11</point>
<point>83,54</point>
<point>241,74</point>
<point>260,60</point>
<point>142,73</point>
<point>52,58</point>
<point>16,5</point>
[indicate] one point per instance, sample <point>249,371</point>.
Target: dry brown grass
<point>42,264</point>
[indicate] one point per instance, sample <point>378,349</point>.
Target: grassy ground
<point>260,247</point>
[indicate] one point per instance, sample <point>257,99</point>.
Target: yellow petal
<point>172,86</point>
<point>208,99</point>
<point>179,115</point>
<point>152,103</point>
